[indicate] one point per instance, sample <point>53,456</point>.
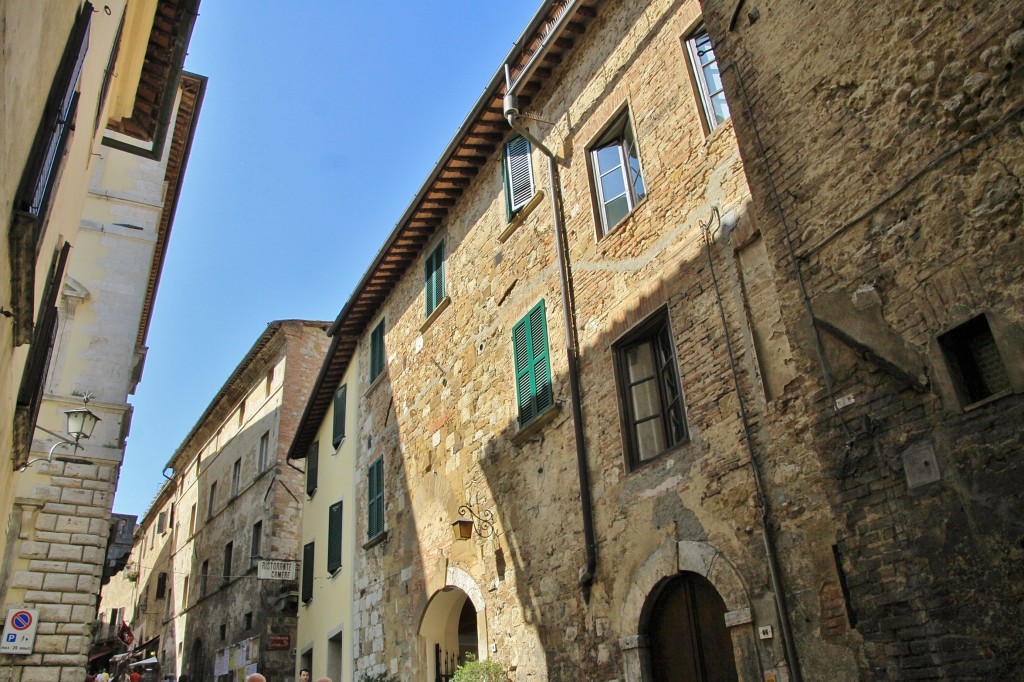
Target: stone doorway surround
<point>439,620</point>
<point>669,560</point>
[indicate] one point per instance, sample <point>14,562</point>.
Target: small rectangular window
<point>236,477</point>
<point>184,594</point>
<point>204,577</point>
<point>974,363</point>
<point>375,502</point>
<point>161,522</point>
<point>517,170</point>
<point>649,388</point>
<point>708,78</point>
<point>161,585</point>
<point>615,168</point>
<point>248,621</point>
<point>533,369</point>
<point>308,553</point>
<point>269,383</point>
<point>312,467</point>
<point>264,453</point>
<point>334,517</point>
<point>223,632</point>
<point>213,497</point>
<point>340,400</point>
<point>257,544</point>
<point>192,521</point>
<point>228,552</point>
<point>377,351</point>
<point>434,278</point>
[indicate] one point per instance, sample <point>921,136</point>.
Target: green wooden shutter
<point>340,399</point>
<point>312,462</point>
<point>375,492</point>
<point>334,537</point>
<point>307,571</point>
<point>377,351</point>
<point>533,369</point>
<point>517,172</point>
<point>433,277</point>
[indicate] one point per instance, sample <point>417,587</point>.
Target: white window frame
<point>711,121</point>
<point>621,135</point>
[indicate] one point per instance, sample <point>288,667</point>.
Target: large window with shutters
<point>434,278</point>
<point>377,351</point>
<point>58,123</point>
<point>340,405</point>
<point>312,467</point>
<point>615,169</point>
<point>649,388</point>
<point>533,368</point>
<point>518,175</point>
<point>308,555</point>
<point>375,499</point>
<point>334,516</point>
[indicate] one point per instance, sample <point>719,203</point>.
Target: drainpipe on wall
<point>511,110</point>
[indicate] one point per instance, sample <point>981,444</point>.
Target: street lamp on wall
<point>80,423</point>
<point>464,526</point>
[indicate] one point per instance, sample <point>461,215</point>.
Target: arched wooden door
<point>687,635</point>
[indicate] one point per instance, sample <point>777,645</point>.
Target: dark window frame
<point>378,357</point>
<point>433,278</point>
<point>656,332</point>
<point>375,512</point>
<point>312,468</point>
<point>308,559</point>
<point>517,175</point>
<point>340,409</point>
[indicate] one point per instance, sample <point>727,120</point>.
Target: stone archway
<point>452,625</point>
<point>668,561</point>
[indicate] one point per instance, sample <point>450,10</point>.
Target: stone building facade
<point>108,175</point>
<point>702,428</point>
<point>194,597</point>
<point>885,155</point>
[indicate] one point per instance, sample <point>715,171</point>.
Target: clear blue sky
<point>322,119</point>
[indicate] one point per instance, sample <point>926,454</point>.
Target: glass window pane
<point>640,362</point>
<point>650,439</point>
<point>607,158</point>
<point>712,77</point>
<point>646,400</point>
<point>615,211</point>
<point>612,186</point>
<point>720,106</point>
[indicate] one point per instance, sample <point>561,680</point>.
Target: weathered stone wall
<point>892,136</point>
<point>444,414</point>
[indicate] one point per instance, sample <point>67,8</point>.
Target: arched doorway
<point>448,632</point>
<point>686,633</point>
<point>195,667</point>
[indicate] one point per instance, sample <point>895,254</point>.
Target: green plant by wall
<point>479,671</point>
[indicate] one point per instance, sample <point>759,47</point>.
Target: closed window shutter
<point>312,464</point>
<point>533,370</point>
<point>307,571</point>
<point>433,277</point>
<point>340,399</point>
<point>539,355</point>
<point>377,351</point>
<point>375,514</point>
<point>518,173</point>
<point>334,537</point>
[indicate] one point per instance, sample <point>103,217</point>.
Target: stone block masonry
<point>56,568</point>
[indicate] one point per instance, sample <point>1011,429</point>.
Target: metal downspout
<point>571,347</point>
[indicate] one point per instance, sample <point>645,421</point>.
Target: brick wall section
<point>860,108</point>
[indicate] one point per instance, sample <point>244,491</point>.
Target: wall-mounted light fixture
<point>80,424</point>
<point>464,526</point>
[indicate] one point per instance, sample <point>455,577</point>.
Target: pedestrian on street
<point>305,675</point>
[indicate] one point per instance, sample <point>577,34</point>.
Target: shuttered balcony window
<point>312,467</point>
<point>518,175</point>
<point>334,516</point>
<point>533,369</point>
<point>307,571</point>
<point>375,501</point>
<point>377,351</point>
<point>434,278</point>
<point>340,405</point>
